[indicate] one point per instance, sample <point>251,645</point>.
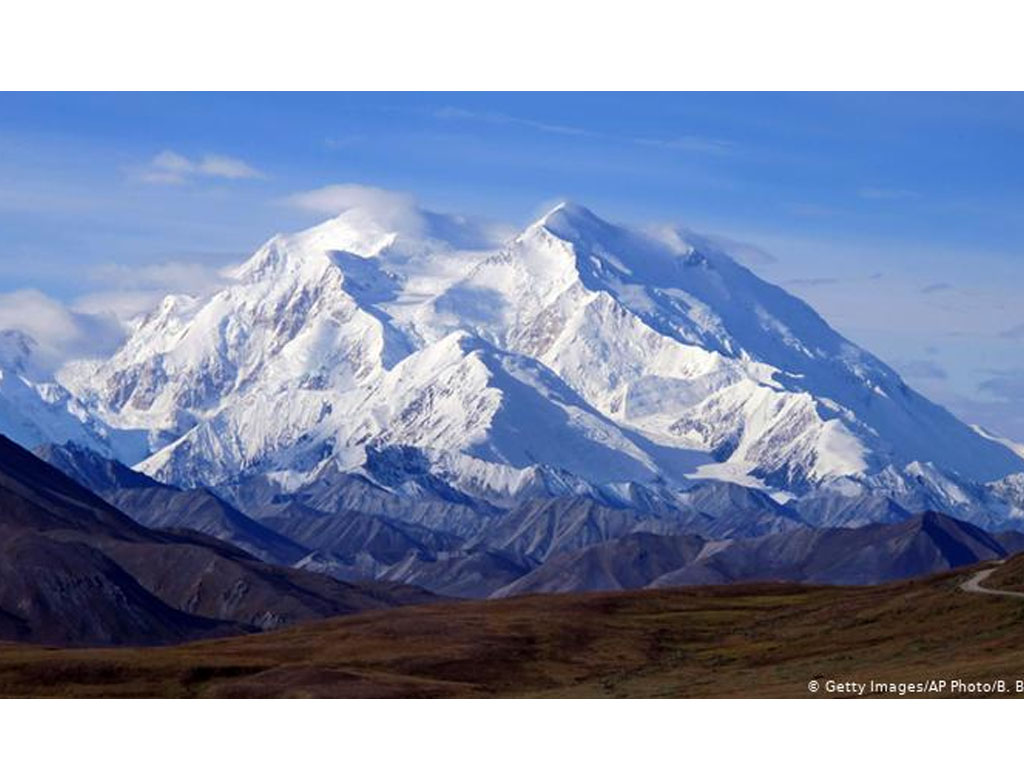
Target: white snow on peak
<point>594,351</point>
<point>34,411</point>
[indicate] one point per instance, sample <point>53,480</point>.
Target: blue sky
<point>897,216</point>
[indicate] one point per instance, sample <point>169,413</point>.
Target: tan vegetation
<point>737,641</point>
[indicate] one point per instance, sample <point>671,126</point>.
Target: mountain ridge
<point>576,354</point>
<point>76,571</point>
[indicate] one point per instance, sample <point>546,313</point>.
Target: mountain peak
<point>640,359</point>
<point>569,208</point>
<point>571,220</point>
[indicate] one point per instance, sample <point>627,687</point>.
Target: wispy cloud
<point>121,305</point>
<point>937,288</point>
<point>172,276</point>
<point>126,291</point>
<point>696,144</point>
<point>500,118</point>
<point>746,253</point>
<point>383,204</point>
<point>58,332</point>
<point>94,323</point>
<point>168,167</point>
<point>817,282</point>
<point>685,143</point>
<point>373,208</point>
<point>886,193</point>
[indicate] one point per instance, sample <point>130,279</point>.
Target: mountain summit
<point>576,350</point>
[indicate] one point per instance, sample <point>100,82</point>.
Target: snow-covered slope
<point>34,412</point>
<point>674,338</point>
<point>576,352</point>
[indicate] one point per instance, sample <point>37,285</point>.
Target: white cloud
<point>127,291</point>
<point>172,162</point>
<point>121,305</point>
<point>393,209</point>
<point>375,208</point>
<point>337,198</point>
<point>169,276</point>
<point>168,167</point>
<point>60,333</point>
<point>227,168</point>
<point>745,253</point>
<point>93,325</point>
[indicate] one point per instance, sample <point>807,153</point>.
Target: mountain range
<point>577,357</point>
<point>582,405</point>
<point>76,571</point>
<point>724,533</point>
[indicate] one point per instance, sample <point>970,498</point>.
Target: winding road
<point>973,584</point>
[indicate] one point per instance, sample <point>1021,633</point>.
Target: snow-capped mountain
<point>34,411</point>
<point>577,352</point>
